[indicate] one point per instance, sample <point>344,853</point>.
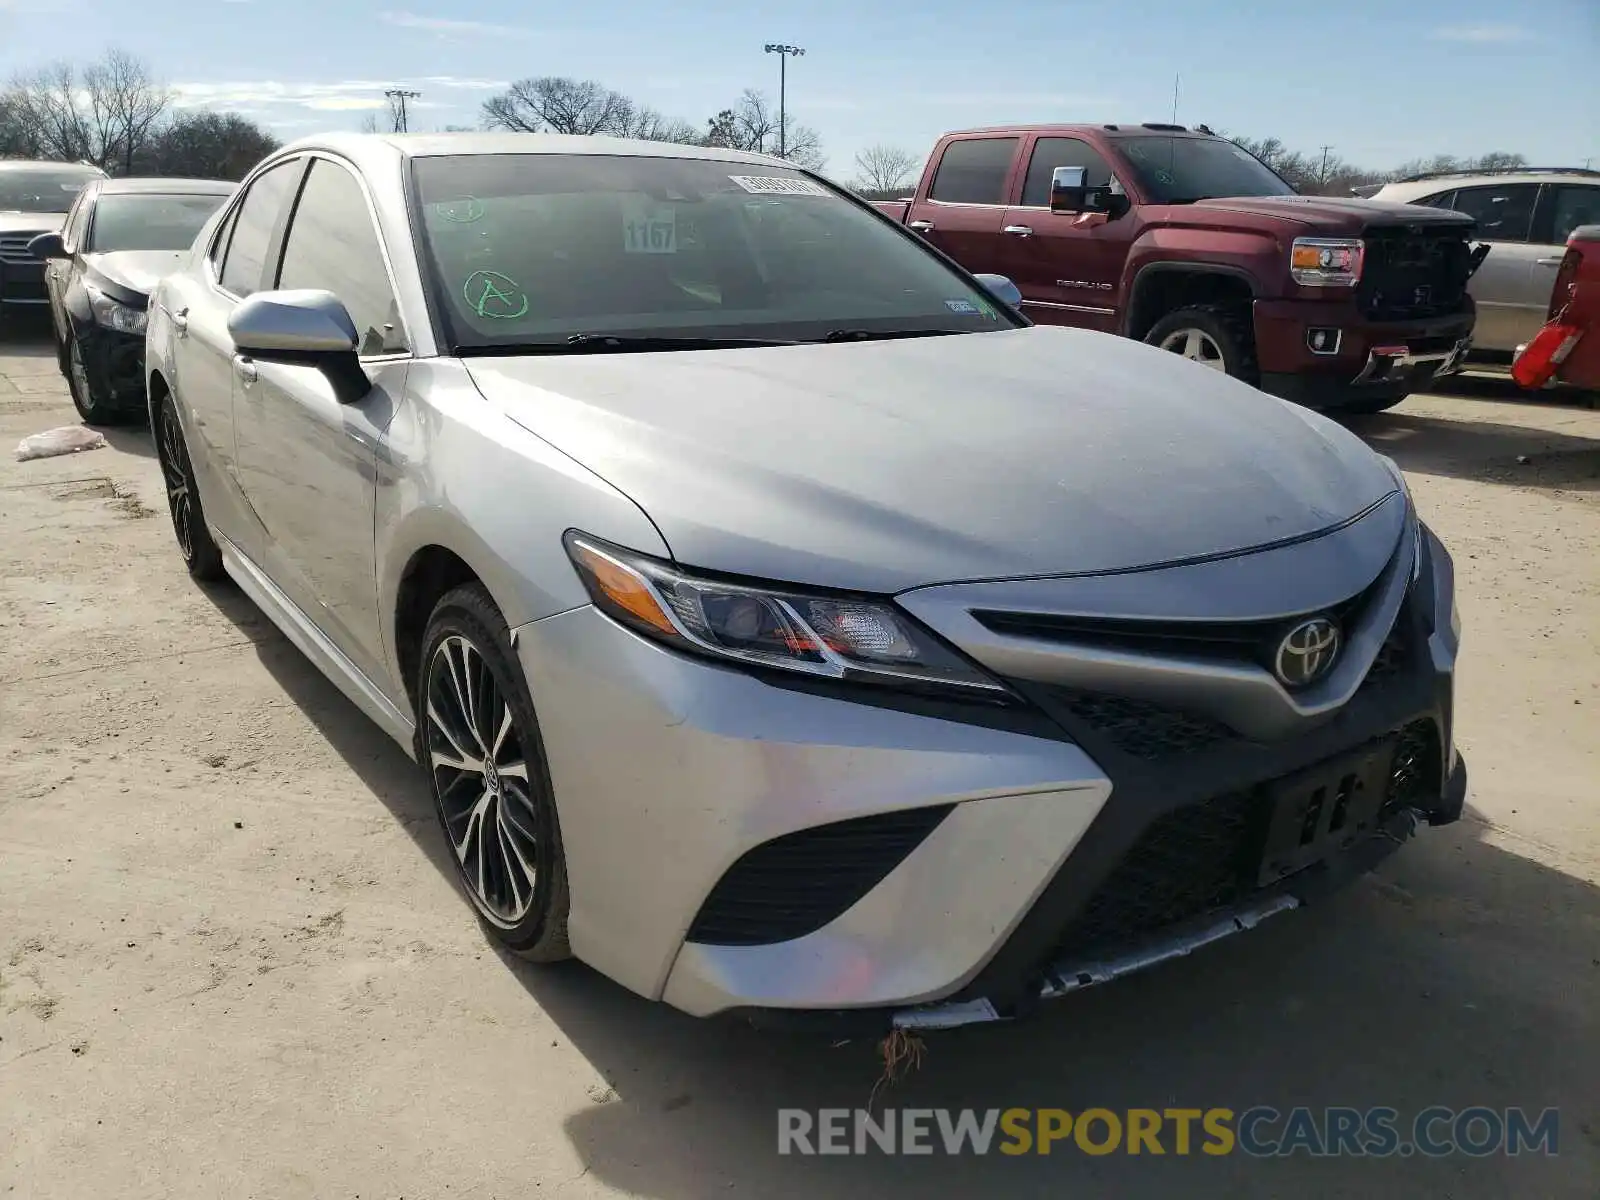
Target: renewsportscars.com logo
<point>1261,1132</point>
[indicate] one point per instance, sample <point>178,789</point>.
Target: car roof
<point>1439,184</point>
<point>375,149</point>
<point>147,185</point>
<point>1129,129</point>
<point>35,164</point>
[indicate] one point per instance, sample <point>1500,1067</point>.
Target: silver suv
<point>1526,216</point>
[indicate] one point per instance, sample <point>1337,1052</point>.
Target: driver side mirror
<point>47,246</point>
<point>1070,193</point>
<point>305,327</point>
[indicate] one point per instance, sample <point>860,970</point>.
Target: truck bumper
<point>1327,355</point>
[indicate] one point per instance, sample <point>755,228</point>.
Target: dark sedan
<point>121,236</point>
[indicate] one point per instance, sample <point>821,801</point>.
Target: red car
<point>1567,349</point>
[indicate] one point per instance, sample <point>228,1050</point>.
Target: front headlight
<point>857,641</point>
<point>1326,262</point>
<point>114,314</point>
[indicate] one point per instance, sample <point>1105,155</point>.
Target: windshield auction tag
<point>778,185</point>
<point>648,227</point>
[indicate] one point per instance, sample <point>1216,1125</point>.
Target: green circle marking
<point>494,296</point>
<point>466,211</point>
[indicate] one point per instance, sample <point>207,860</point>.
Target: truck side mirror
<point>1070,193</point>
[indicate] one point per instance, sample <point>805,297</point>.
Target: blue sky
<point>1381,82</point>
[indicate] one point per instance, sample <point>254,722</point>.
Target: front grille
<point>1203,857</point>
<point>1392,658</point>
<point>796,884</point>
<point>1223,641</point>
<point>1140,728</point>
<point>14,249</point>
<point>1410,275</point>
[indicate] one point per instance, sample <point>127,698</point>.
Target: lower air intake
<point>796,884</point>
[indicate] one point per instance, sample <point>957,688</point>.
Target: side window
<point>332,245</point>
<point>1504,214</point>
<point>78,219</point>
<point>1574,204</point>
<point>1050,153</point>
<point>252,228</point>
<point>1437,200</point>
<point>973,171</point>
<point>219,244</point>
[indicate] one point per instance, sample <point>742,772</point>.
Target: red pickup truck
<point>1567,349</point>
<point>1184,240</point>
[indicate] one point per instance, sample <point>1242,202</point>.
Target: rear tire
<point>1218,336</point>
<point>478,744</point>
<point>195,543</point>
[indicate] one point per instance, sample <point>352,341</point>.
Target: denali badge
<point>1307,652</point>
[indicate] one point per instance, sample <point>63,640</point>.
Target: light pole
<point>397,104</point>
<point>783,52</point>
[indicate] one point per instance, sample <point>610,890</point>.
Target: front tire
<point>94,408</point>
<point>195,543</point>
<point>1213,335</point>
<point>478,743</point>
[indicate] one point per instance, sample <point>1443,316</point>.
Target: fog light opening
<point>1324,341</point>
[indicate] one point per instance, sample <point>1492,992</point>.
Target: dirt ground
<point>233,962</point>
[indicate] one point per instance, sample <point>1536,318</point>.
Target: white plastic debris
<point>67,439</point>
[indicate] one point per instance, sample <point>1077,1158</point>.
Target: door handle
<point>1548,262</point>
<point>920,226</point>
<point>246,370</point>
<point>1019,230</point>
<point>180,322</point>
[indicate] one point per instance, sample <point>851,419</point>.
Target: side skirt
<point>316,645</point>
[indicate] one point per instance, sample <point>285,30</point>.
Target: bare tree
<point>556,104</point>
<point>19,134</point>
<point>371,124</point>
<point>884,168</point>
<point>752,124</point>
<point>206,145</point>
<point>126,103</point>
<point>103,115</point>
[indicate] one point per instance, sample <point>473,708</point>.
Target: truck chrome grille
<point>1409,275</point>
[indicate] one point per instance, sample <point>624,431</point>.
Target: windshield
<point>42,191</point>
<point>1177,170</point>
<point>535,248</point>
<point>149,222</point>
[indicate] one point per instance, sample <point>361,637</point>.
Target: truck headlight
<point>1326,262</point>
<point>842,638</point>
<point>114,314</point>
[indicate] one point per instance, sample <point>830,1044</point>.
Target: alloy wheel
<point>180,483</point>
<point>1195,345</point>
<point>480,773</point>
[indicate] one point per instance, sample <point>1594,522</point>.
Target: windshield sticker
<point>494,296</point>
<point>964,307</point>
<point>466,211</point>
<point>777,185</point>
<point>648,227</point>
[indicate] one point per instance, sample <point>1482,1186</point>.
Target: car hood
<point>1338,211</point>
<point>12,221</point>
<point>133,274</point>
<point>879,466</point>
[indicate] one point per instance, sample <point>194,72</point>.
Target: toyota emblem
<point>1307,652</point>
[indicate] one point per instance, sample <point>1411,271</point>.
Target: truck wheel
<point>1213,335</point>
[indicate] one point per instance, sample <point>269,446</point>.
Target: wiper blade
<point>876,335</point>
<point>603,343</point>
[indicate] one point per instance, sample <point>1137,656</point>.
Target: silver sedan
<point>780,621</point>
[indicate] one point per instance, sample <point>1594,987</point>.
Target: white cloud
<point>1481,34</point>
<point>448,27</point>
